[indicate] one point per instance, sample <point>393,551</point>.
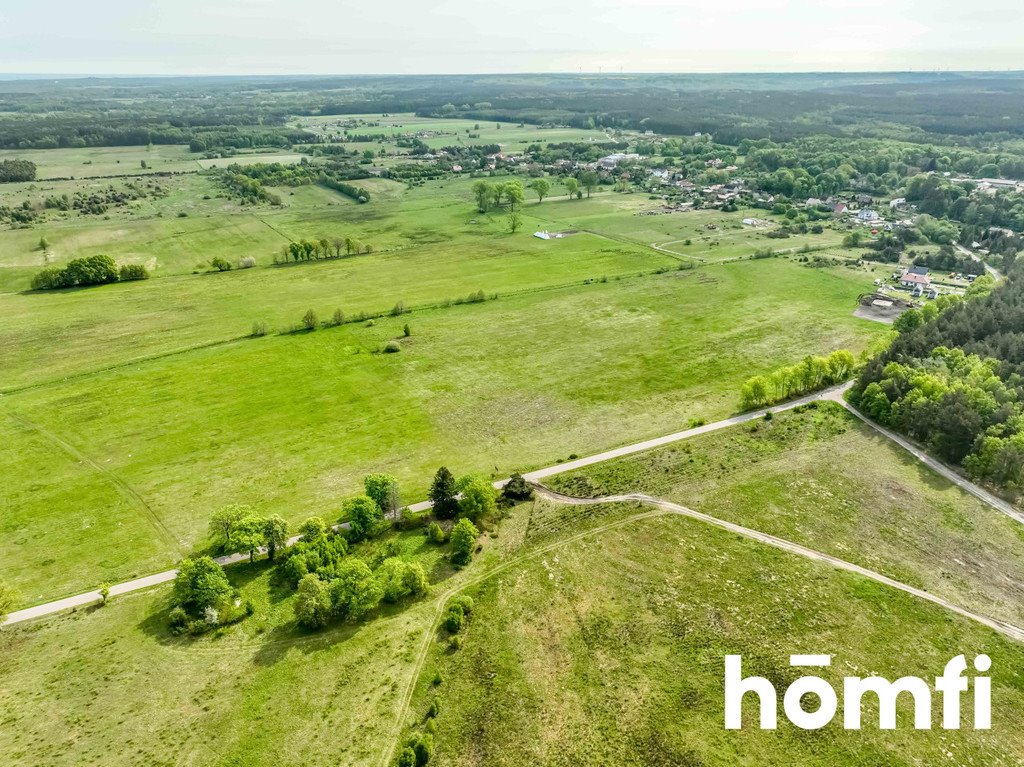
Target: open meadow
<point>820,477</point>
<point>597,635</point>
<point>290,423</point>
<point>609,650</point>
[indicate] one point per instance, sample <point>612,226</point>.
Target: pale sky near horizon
<point>397,36</point>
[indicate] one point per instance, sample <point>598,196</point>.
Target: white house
<point>911,280</point>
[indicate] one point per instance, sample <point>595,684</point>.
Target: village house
<point>840,209</point>
<point>868,216</point>
<point>911,279</point>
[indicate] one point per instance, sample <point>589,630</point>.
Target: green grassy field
<point>292,423</point>
<point>595,638</point>
<point>263,692</point>
<point>441,132</point>
<point>610,651</point>
<point>90,162</point>
<point>822,478</point>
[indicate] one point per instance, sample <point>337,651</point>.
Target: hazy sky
<point>398,36</point>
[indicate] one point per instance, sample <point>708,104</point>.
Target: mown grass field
<point>291,423</point>
<point>821,478</point>
<point>610,650</point>
<point>91,162</point>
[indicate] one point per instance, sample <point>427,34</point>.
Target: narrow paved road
<point>990,269</point>
<point>834,393</point>
<point>935,465</point>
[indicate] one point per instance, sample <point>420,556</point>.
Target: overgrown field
<point>610,651</point>
<point>821,478</point>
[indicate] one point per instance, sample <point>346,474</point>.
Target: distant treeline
<point>223,112</point>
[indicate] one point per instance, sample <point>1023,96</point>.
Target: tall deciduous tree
<point>364,515</point>
<point>463,539</point>
<point>199,584</point>
<point>590,181</point>
<point>224,521</point>
<point>383,488</point>
<point>541,188</point>
<point>275,535</point>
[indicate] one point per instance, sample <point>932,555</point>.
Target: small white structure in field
<point>546,235</point>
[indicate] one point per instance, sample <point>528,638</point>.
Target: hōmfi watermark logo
<point>951,685</point>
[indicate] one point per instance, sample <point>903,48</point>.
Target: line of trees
<point>90,270</point>
<point>810,374</point>
<point>322,249</point>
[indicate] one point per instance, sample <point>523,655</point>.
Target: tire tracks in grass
<point>661,508</point>
<point>128,492</point>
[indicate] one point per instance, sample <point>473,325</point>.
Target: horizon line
<point>598,73</point>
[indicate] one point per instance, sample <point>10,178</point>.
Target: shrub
<point>259,328</point>
<point>178,619</point>
<point>398,309</point>
<point>309,320</point>
<point>407,331</point>
<point>463,538</point>
<point>50,278</point>
<point>516,490</point>
<point>129,272</point>
<point>410,519</point>
<point>247,263</point>
<point>455,642</point>
<point>399,579</point>
<point>338,318</point>
<point>453,618</point>
<point>464,601</point>
<point>392,347</point>
<point>220,264</point>
<point>435,533</point>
